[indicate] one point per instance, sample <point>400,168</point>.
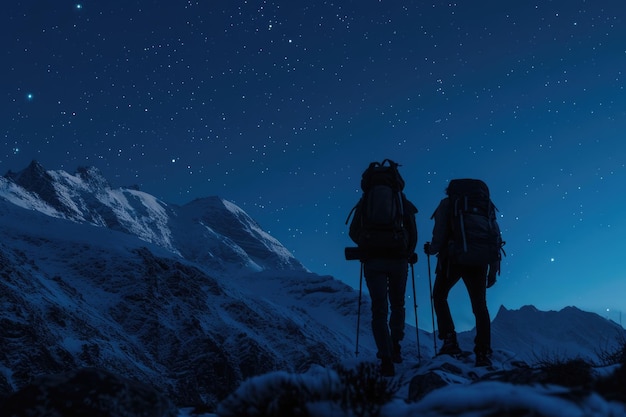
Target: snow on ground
<point>465,396</point>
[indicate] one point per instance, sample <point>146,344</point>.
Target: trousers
<point>475,280</point>
<point>386,282</point>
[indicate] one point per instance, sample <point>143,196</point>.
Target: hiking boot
<point>387,368</point>
<point>450,346</point>
<point>396,356</point>
<point>482,359</point>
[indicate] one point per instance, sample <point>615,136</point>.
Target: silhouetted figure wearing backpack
<point>468,244</point>
<point>384,229</point>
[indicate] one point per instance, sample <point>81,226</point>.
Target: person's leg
<point>377,285</point>
<point>397,290</point>
<point>475,279</point>
<point>444,281</point>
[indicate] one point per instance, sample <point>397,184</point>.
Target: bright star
<point>29,96</point>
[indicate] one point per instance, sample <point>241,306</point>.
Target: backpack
<point>378,222</point>
<point>476,238</point>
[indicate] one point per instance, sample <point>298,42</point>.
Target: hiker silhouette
<point>467,241</point>
<point>385,231</point>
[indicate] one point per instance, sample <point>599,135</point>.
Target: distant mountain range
<point>192,299</point>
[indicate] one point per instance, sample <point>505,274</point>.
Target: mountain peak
<point>228,220</point>
<point>92,176</point>
<point>35,179</point>
<point>33,172</point>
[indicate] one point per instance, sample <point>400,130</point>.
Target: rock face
<point>157,319</point>
<point>425,383</point>
<point>87,393</point>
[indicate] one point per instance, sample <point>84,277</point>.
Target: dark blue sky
<point>280,105</point>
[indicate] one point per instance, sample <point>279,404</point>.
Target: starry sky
<point>280,105</point>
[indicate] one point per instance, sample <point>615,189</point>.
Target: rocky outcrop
<point>87,393</point>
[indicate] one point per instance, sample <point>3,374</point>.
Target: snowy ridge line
<point>221,227</point>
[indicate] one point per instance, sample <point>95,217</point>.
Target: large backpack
<point>378,222</point>
<point>476,238</point>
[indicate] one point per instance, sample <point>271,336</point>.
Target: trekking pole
<point>358,315</point>
<point>417,333</point>
<point>432,308</point>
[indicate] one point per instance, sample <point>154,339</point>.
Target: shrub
<point>365,390</point>
<point>614,356</point>
<point>613,386</point>
<point>575,372</point>
<point>359,391</point>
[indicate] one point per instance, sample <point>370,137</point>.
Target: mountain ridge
<point>86,196</point>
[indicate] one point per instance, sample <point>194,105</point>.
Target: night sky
<point>278,106</point>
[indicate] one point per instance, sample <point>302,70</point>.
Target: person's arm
<point>410,224</point>
<point>355,226</point>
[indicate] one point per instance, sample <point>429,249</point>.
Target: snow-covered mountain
<point>192,299</point>
<point>211,231</point>
<point>536,335</point>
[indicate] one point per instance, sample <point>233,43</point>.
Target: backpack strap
<point>459,213</point>
<point>352,211</point>
<point>401,204</point>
